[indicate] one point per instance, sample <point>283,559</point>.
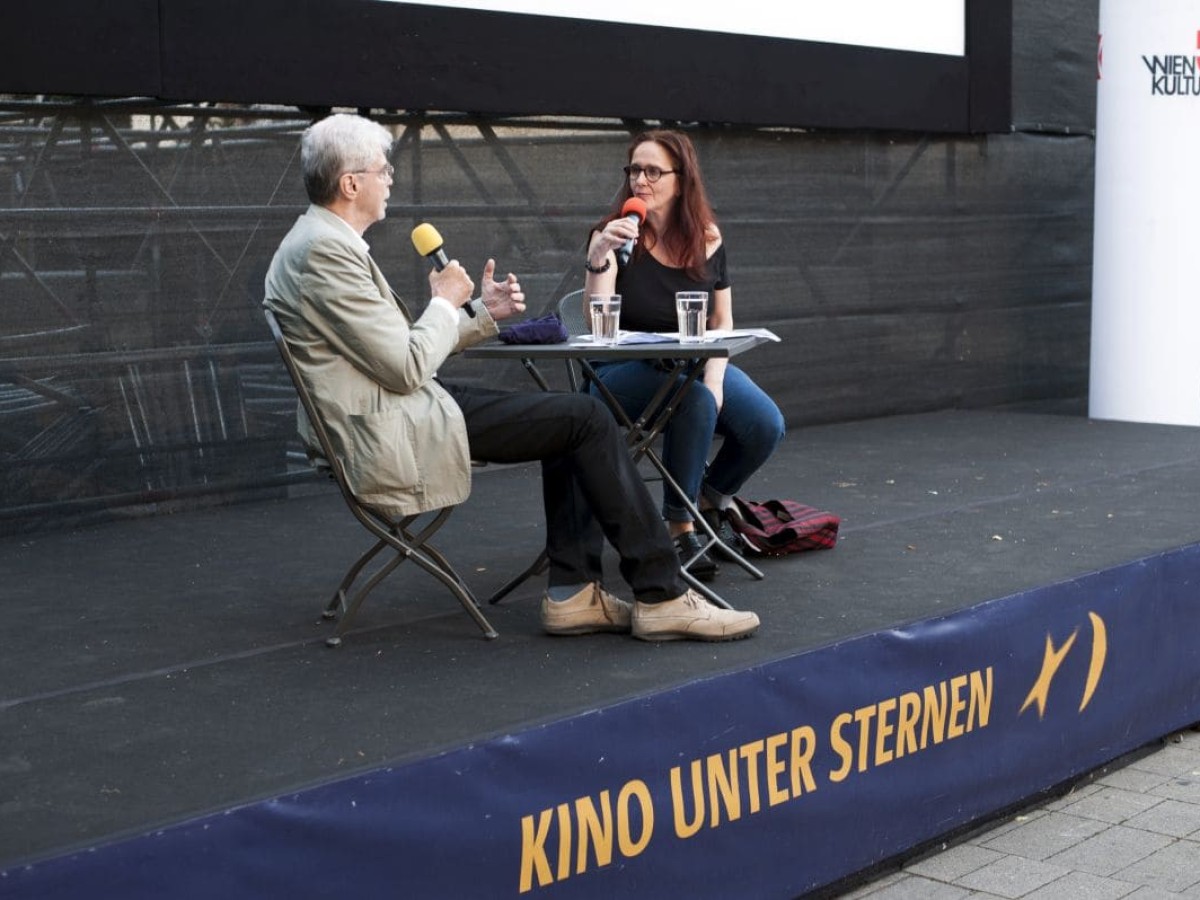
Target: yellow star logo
<point>1040,692</point>
<point>1052,659</point>
<point>1099,653</point>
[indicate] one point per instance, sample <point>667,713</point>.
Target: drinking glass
<point>606,317</point>
<point>691,310</point>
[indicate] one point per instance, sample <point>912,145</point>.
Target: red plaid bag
<point>780,527</point>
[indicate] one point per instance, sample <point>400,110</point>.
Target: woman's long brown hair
<point>686,234</point>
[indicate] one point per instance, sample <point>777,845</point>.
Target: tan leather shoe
<point>691,617</point>
<point>592,609</point>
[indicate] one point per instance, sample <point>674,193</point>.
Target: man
<point>407,440</point>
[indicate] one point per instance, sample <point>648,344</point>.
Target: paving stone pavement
<point>1132,833</point>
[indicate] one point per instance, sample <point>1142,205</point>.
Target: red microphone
<point>634,208</point>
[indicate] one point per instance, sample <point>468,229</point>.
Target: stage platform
<point>172,724</point>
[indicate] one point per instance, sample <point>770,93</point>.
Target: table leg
<point>641,434</point>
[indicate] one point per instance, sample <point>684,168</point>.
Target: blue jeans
<point>749,424</point>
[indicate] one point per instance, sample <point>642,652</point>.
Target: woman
<point>678,248</point>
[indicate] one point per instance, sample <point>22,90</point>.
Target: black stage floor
<point>158,668</point>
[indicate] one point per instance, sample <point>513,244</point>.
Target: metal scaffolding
<point>133,239</point>
<point>905,272</point>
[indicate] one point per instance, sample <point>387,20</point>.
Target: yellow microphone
<point>429,244</point>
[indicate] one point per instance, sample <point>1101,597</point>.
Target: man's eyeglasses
<point>652,173</point>
<point>387,170</point>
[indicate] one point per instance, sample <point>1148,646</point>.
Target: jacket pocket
<point>381,458</point>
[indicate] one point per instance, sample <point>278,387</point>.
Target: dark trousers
<point>590,487</point>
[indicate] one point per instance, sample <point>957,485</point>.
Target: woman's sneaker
<point>687,545</point>
<point>718,521</point>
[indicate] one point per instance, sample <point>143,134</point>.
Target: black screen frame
<point>369,54</point>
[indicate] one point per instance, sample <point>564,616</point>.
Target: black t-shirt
<point>647,290</point>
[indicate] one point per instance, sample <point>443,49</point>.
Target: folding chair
<point>642,431</point>
<point>570,311</point>
<point>398,534</point>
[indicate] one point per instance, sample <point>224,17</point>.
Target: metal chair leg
<point>537,567</point>
<point>407,546</point>
<point>339,596</point>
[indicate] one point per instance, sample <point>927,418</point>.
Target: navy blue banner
<point>767,782</point>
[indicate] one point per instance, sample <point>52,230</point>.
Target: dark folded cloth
<point>545,330</point>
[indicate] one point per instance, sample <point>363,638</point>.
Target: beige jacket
<point>370,368</point>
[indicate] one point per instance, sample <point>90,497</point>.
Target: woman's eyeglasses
<point>652,173</point>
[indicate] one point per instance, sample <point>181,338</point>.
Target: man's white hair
<point>335,145</point>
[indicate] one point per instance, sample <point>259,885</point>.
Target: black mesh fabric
<point>904,272</point>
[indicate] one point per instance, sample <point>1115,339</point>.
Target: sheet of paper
<point>718,334</point>
<point>670,337</point>
<point>630,337</point>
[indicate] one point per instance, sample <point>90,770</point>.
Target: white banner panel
<point>920,26</point>
<point>1145,364</point>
